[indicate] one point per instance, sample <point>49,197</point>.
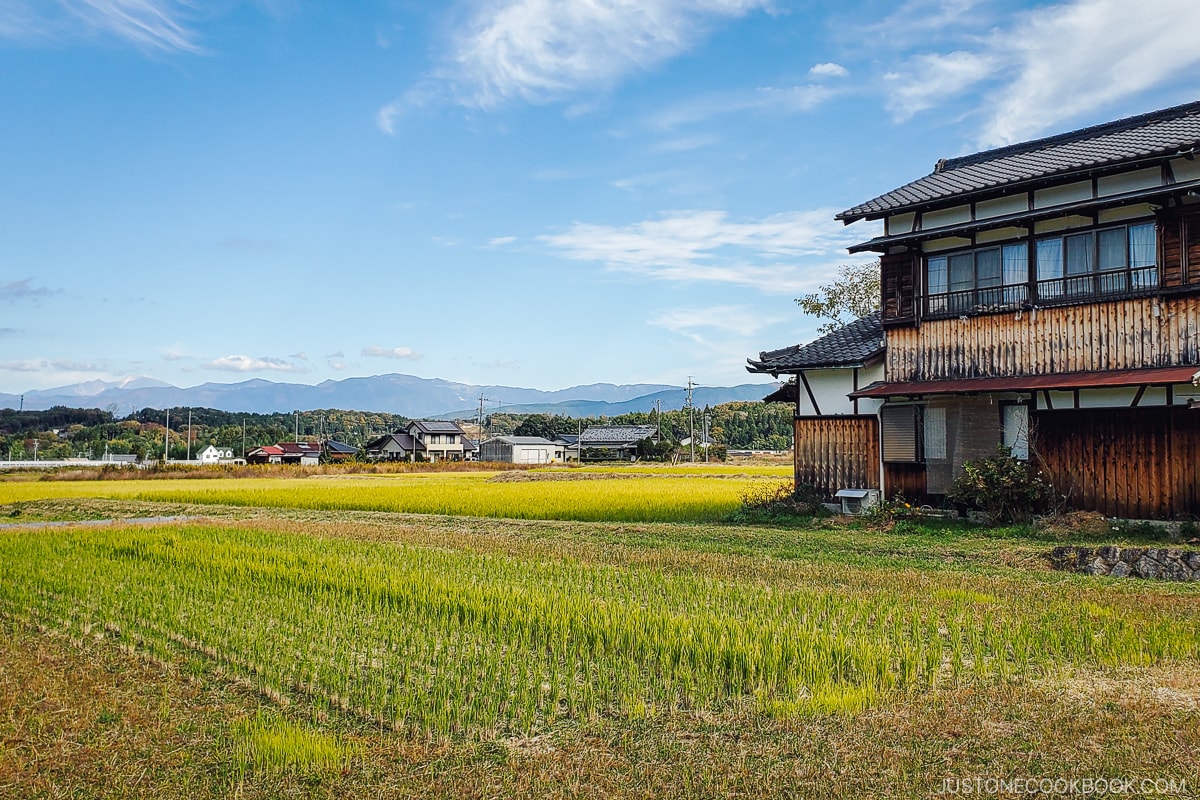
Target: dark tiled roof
<point>602,435</point>
<point>299,448</point>
<point>403,440</point>
<point>1157,134</point>
<point>851,344</point>
<point>333,446</point>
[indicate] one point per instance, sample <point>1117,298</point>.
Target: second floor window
<point>1105,262</point>
<point>993,276</point>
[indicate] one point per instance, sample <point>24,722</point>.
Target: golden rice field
<point>447,642</point>
<point>662,495</point>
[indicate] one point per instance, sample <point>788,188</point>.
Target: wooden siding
<point>905,480</point>
<point>835,453</point>
<point>1130,463</point>
<point>1114,335</point>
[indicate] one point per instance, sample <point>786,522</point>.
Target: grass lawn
<point>323,652</point>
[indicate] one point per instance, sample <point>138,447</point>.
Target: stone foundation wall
<point>1159,563</point>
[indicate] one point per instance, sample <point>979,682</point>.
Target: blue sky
<point>537,193</point>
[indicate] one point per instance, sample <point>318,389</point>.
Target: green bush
<point>1008,489</point>
<point>778,502</point>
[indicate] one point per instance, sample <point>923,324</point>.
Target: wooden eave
<point>1155,376</point>
<point>881,244</point>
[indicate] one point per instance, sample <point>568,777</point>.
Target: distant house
<point>521,450</point>
<point>570,445</point>
<point>442,440</point>
<point>267,454</point>
<point>306,454</point>
<point>836,436</point>
<point>614,442</point>
<point>302,453</point>
<point>215,455</point>
<point>399,446</point>
<point>338,451</point>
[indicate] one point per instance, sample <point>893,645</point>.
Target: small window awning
<point>1156,376</point>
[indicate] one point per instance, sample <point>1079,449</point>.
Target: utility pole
<point>691,419</point>
<point>243,437</point>
<point>297,413</point>
<point>479,417</point>
<point>189,441</point>
<point>167,437</point>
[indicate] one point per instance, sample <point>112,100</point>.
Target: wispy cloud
<point>404,353</point>
<point>159,25</point>
<point>500,241</point>
<point>1035,70</point>
<point>934,79</point>
<point>1121,48</point>
<point>730,319</point>
<point>777,254</point>
<point>8,331</point>
<point>51,365</point>
<point>23,289</point>
<point>767,99</point>
<point>539,51</point>
<point>240,363</point>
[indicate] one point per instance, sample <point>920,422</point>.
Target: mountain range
<point>394,393</point>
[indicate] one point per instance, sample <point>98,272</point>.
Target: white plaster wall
<point>1067,193</point>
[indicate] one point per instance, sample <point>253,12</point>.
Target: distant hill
<point>394,393</point>
<point>671,399</point>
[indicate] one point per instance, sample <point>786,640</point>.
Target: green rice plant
<point>273,743</point>
<point>439,642</point>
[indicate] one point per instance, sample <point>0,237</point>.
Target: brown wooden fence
<point>1130,463</point>
<point>835,453</point>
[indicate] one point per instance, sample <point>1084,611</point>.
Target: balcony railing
<point>1056,291</point>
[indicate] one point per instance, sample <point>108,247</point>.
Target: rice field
<point>438,642</point>
<point>656,496</point>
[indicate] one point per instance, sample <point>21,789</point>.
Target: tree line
<point>62,432</point>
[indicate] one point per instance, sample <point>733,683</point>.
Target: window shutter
<point>899,285</point>
<point>899,428</point>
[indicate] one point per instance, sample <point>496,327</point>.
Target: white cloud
<point>58,366</point>
<point>498,241</point>
<point>149,24</point>
<point>775,254</point>
<point>935,79</point>
<point>239,363</point>
<point>542,50</point>
<point>1035,70</point>
<point>736,320</point>
<point>1084,55</point>
<point>337,365</point>
<point>828,70</point>
<point>406,353</point>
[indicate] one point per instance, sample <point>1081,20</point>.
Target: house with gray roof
<point>1043,296</point>
<point>835,434</point>
<point>608,442</point>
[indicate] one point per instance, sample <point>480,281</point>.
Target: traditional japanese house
<point>1046,296</point>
